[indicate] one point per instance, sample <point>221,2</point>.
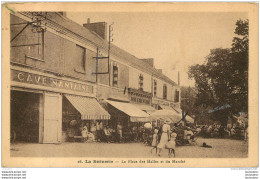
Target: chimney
<point>149,61</point>
<point>100,28</point>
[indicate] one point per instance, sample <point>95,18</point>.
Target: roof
<point>54,18</point>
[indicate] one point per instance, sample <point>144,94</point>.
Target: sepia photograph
<point>139,87</point>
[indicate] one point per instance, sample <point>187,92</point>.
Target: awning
<point>89,108</point>
<point>178,110</point>
<point>165,114</point>
<point>135,114</point>
<point>148,109</point>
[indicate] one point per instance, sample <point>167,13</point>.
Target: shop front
<point>141,100</point>
<point>128,117</point>
<point>167,107</point>
<point>79,112</point>
<point>42,103</point>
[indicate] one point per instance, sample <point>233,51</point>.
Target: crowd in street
<point>134,132</point>
<point>158,135</point>
<point>230,131</point>
<point>162,134</point>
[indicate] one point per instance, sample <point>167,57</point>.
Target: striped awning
<point>135,114</point>
<point>89,108</point>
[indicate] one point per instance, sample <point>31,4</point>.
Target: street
<point>221,148</point>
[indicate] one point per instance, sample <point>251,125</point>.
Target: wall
<point>160,83</point>
<point>170,90</point>
<point>59,53</point>
<point>104,92</point>
<point>123,74</point>
<point>134,80</point>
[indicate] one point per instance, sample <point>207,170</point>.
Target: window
<point>81,59</point>
<point>115,75</point>
<point>177,94</point>
<point>154,87</point>
<point>164,91</point>
<point>141,82</point>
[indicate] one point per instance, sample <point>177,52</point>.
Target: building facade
<point>62,71</point>
<point>53,81</point>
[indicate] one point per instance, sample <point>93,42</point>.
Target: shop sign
<point>219,108</point>
<point>41,80</point>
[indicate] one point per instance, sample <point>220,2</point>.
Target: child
<point>170,145</point>
<point>155,140</point>
<point>84,133</point>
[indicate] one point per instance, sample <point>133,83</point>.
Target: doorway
<point>24,116</point>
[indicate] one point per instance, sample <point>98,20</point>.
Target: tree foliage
<point>223,78</point>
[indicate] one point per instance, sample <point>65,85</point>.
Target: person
<point>209,130</point>
<point>147,131</point>
<point>91,137</point>
<point>93,129</point>
<point>155,140</point>
<point>98,132</point>
<point>233,131</point>
<point>119,131</point>
<point>190,135</point>
<point>135,133</point>
<point>107,133</point>
<point>160,131</point>
<point>170,145</point>
<point>165,136</point>
<point>84,133</point>
<point>140,133</point>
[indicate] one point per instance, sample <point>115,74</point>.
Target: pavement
<point>221,148</point>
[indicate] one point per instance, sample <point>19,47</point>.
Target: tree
<point>188,98</point>
<point>223,78</point>
<point>240,65</point>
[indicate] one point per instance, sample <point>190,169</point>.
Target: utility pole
<point>97,57</point>
<point>110,39</point>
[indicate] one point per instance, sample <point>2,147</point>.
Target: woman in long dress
<point>165,136</point>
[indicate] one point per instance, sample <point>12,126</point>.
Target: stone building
<point>60,72</point>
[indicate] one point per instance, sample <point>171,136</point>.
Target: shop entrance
<point>25,116</point>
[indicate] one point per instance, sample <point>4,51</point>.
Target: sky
<point>176,40</point>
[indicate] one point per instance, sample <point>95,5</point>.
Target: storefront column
<point>52,118</point>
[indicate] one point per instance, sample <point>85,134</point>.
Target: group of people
<point>234,131</point>
<point>167,136</point>
<point>165,139</point>
<point>95,131</point>
<point>158,135</point>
